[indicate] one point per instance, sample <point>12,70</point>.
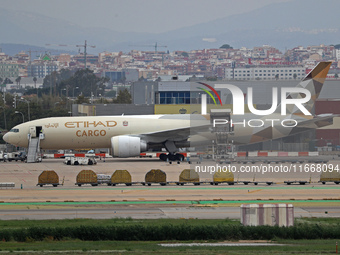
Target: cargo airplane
<point>128,136</point>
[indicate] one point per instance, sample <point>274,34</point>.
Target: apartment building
<point>40,70</point>
<point>9,70</point>
<point>265,73</point>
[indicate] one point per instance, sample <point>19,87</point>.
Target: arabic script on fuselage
<point>52,125</point>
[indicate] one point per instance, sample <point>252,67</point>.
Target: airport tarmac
<point>25,177</point>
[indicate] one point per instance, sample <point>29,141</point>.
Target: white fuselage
<point>96,131</point>
<point>90,132</point>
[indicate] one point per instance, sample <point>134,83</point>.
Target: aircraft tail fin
<point>313,82</point>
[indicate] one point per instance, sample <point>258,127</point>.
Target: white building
<point>265,73</point>
<point>337,53</point>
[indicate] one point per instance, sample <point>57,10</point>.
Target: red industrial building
<point>328,136</point>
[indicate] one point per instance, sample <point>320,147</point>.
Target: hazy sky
<point>137,15</point>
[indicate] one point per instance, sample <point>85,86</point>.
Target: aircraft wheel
<point>179,157</point>
<point>163,157</point>
<point>172,157</point>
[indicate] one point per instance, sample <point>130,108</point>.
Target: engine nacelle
<point>124,146</point>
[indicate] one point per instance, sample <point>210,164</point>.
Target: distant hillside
<point>12,49</point>
<point>29,28</point>
<point>288,24</point>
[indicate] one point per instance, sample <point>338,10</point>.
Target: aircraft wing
<point>179,134</point>
<point>317,122</point>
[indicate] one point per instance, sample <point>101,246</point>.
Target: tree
<point>337,46</point>
<point>35,81</point>
<point>17,80</point>
<point>294,76</point>
<point>123,79</point>
<point>60,76</point>
<point>211,78</point>
<point>1,80</point>
<point>87,82</point>
<point>81,99</point>
<point>7,81</point>
<point>123,97</point>
<point>54,80</point>
<point>185,54</point>
<point>226,46</point>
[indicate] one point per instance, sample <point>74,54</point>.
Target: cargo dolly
<point>256,182</point>
<point>324,182</point>
<point>299,182</point>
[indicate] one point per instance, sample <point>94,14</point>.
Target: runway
<point>35,212</point>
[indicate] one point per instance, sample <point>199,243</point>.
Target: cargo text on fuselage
<point>87,127</point>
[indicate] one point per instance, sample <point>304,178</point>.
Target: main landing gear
<point>171,157</point>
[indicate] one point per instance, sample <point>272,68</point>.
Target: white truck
<point>9,156</point>
<point>80,161</point>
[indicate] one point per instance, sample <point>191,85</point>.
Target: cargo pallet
<point>49,177</point>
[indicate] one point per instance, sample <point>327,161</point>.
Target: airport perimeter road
<point>34,212</point>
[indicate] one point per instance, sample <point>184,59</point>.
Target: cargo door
<point>38,130</point>
<point>33,132</point>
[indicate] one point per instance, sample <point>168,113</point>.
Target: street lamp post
<point>61,92</point>
<point>29,112</point>
<point>28,108</point>
<point>73,91</point>
<point>23,119</point>
<point>4,117</point>
<point>71,104</point>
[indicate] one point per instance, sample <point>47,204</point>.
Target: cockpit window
<point>14,130</point>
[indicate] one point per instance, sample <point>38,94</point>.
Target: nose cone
<point>6,137</point>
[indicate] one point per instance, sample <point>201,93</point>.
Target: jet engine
<point>124,146</point>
